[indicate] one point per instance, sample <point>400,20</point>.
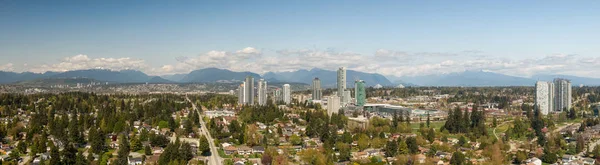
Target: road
<point>214,158</point>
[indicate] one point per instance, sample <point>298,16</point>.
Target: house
<point>258,150</point>
<point>244,150</point>
<point>134,161</point>
<point>442,155</point>
<point>421,158</point>
<point>589,161</point>
<point>567,158</point>
<point>533,161</point>
<point>230,150</point>
<point>225,145</point>
<point>361,155</point>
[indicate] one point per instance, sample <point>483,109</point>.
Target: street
<point>214,158</point>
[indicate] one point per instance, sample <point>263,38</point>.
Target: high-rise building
<point>287,93</point>
<point>359,93</point>
<point>241,92</point>
<point>562,94</point>
<point>544,96</point>
<point>277,96</point>
<point>347,98</point>
<point>249,90</point>
<point>316,89</point>
<point>341,82</point>
<point>333,104</point>
<point>262,92</point>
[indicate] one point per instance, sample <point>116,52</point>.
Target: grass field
<point>435,125</point>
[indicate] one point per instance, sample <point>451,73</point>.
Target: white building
<point>562,94</point>
<point>287,92</point>
<point>241,92</point>
<point>347,99</point>
<point>333,104</point>
<point>249,90</point>
<point>341,82</point>
<point>544,96</point>
<point>316,89</point>
<point>262,92</point>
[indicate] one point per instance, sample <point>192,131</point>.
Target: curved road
<point>214,158</point>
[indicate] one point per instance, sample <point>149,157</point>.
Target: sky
<point>393,38</point>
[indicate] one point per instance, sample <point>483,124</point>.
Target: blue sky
<point>400,38</point>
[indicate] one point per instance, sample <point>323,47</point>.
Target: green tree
<point>123,153</point>
<point>147,150</point>
<point>54,155</point>
<point>520,157</point>
<point>295,139</point>
<point>363,142</point>
<point>69,154</point>
<point>391,149</point>
<point>412,145</point>
<point>580,144</point>
<point>204,147</point>
<point>458,158</point>
<point>81,160</point>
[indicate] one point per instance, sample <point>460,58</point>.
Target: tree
<point>431,135</point>
<point>295,139</point>
<point>458,158</point>
<point>266,159</point>
<point>312,156</point>
<point>147,150</point>
<point>494,122</point>
<point>412,145</point>
<point>391,149</point>
<point>402,147</point>
<point>69,154</point>
<point>54,155</point>
<point>185,152</point>
<point>136,144</point>
<point>345,152</point>
<point>363,142</point>
<point>15,155</point>
<point>123,153</point>
<point>81,160</point>
<point>428,119</point>
<point>580,144</point>
<point>204,147</point>
<point>520,157</point>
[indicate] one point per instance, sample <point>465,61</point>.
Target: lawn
<point>435,125</point>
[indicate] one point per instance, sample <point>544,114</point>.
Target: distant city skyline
<point>391,38</point>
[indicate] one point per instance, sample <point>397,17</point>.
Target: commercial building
<point>359,93</point>
<point>240,93</point>
<point>341,81</point>
<point>333,104</point>
<point>562,94</point>
<point>262,92</point>
<point>347,98</point>
<point>316,89</point>
<point>553,96</point>
<point>287,92</point>
<point>544,96</point>
<point>249,90</point>
<point>277,95</point>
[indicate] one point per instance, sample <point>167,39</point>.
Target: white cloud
<point>248,50</point>
<point>84,62</point>
<point>383,61</point>
<point>7,67</point>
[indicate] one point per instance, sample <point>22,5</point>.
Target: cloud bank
<point>382,61</point>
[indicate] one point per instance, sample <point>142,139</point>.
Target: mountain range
<point>483,78</point>
<point>124,76</point>
<point>328,78</point>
